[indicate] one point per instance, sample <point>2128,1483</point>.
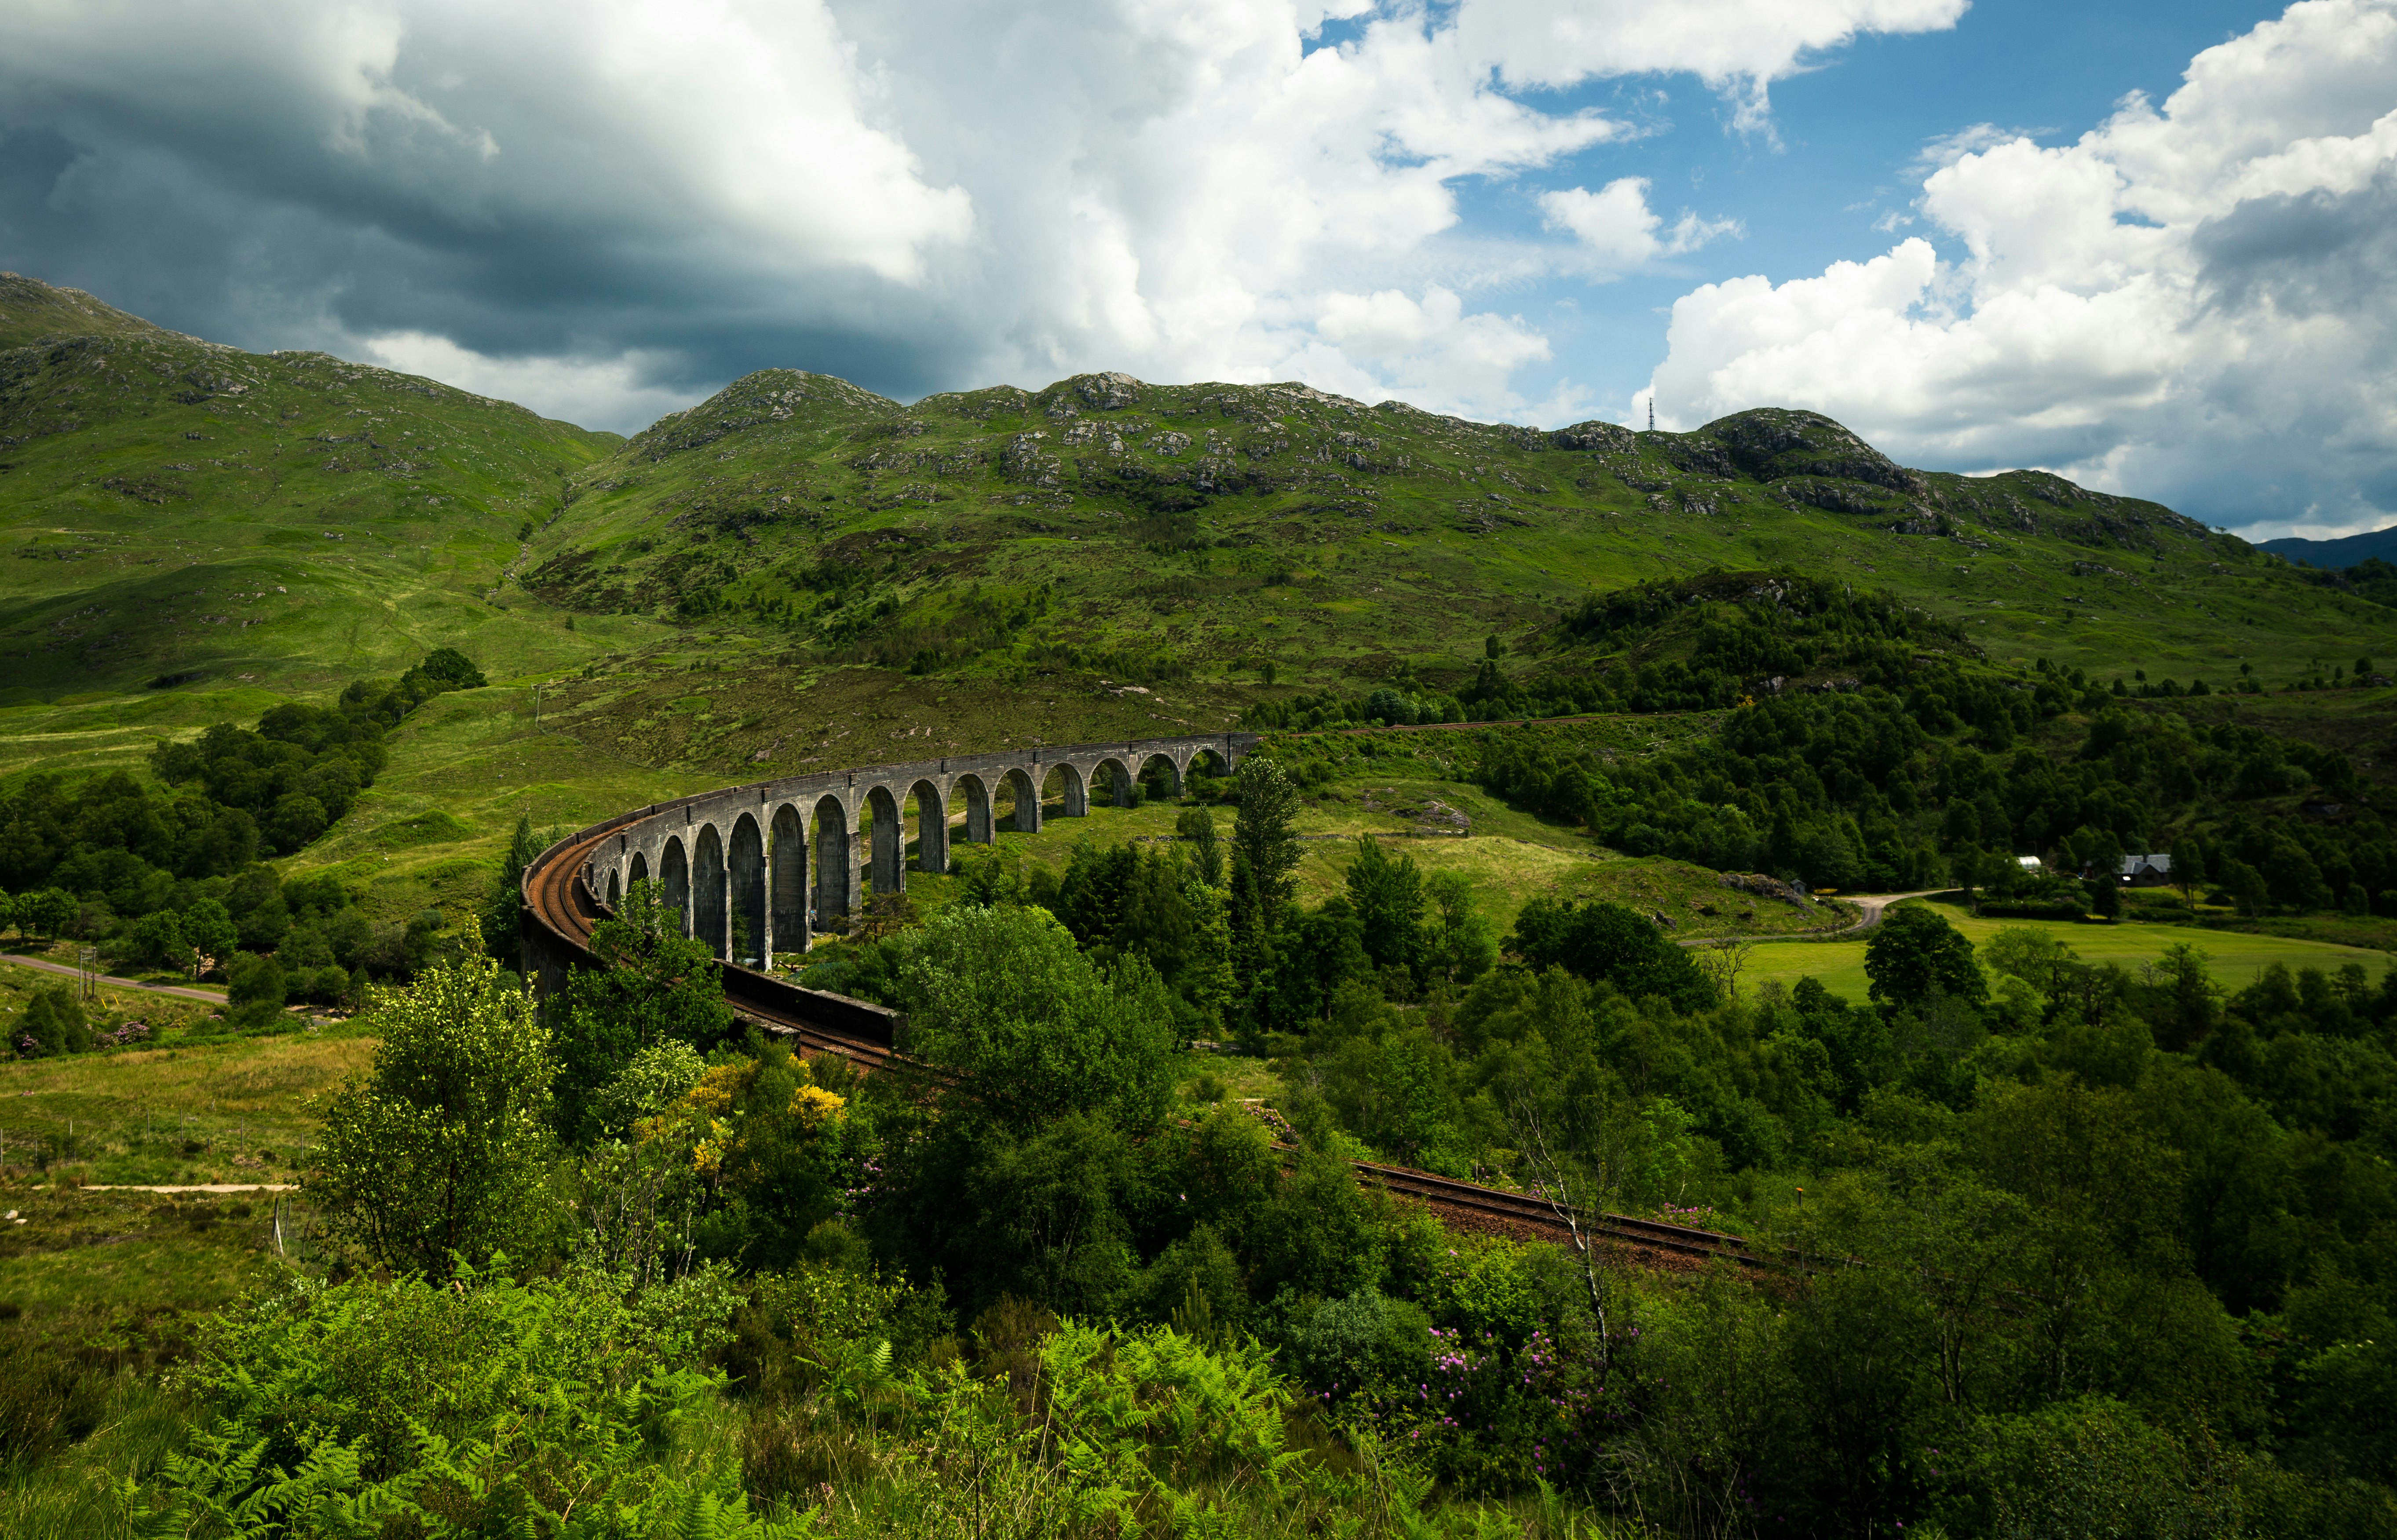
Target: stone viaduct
<point>758,869</point>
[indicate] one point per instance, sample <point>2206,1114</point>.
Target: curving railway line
<point>560,912</point>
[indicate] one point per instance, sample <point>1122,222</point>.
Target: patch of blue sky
<point>1833,174</point>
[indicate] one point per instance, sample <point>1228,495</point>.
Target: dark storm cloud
<point>169,238</point>
<point>2309,253</point>
<point>302,176</point>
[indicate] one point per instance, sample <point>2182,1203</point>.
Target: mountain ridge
<point>1106,526</point>
<point>2338,554</point>
<point>1100,526</point>
<point>185,511</point>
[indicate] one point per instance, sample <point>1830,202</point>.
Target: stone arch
<point>674,882</point>
<point>787,882</point>
<point>1209,761</point>
<point>835,867</point>
<point>889,841</point>
<point>640,872</point>
<point>1073,792</point>
<point>978,809</point>
<point>708,920</point>
<point>745,881</point>
<point>1027,800</point>
<point>1120,779</point>
<point>1159,770</point>
<point>615,888</point>
<point>932,827</point>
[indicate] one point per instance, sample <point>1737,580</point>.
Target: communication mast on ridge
<point>1651,411</point>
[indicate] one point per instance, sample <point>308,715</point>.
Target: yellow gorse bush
<point>709,1120</point>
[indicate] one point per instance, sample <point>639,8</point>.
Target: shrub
<point>436,1153</point>
<point>53,1022</point>
<point>484,1407</point>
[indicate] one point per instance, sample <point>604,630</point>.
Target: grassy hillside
<point>181,517</point>
<point>1109,528</point>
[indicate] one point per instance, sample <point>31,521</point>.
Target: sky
<point>2151,247</point>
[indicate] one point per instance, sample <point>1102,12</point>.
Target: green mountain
<point>1204,525</point>
<point>31,310</point>
<point>2346,550</point>
<point>187,516</point>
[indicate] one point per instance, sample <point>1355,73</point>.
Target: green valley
<point>1987,880</point>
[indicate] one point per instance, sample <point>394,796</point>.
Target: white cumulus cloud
<point>2195,301</point>
<point>1615,225</point>
<point>1738,46</point>
<point>628,201</point>
<point>572,390</point>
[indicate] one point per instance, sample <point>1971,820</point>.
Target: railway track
<point>558,902</point>
<point>1516,1213</point>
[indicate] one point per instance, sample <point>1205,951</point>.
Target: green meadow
<point>2234,958</point>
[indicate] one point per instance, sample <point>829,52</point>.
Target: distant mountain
<point>181,511</point>
<point>2346,550</point>
<point>189,516</point>
<point>1104,525</point>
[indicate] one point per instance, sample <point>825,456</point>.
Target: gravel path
<point>1871,906</point>
<point>205,1186</point>
<point>175,989</point>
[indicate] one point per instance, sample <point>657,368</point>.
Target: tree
<point>257,988</point>
<point>297,820</point>
<point>1612,942</point>
<point>437,1152</point>
<point>658,1077</point>
<point>1723,961</point>
<point>1975,868</point>
<point>208,932</point>
<point>2188,865</point>
<point>1265,833</point>
<point>1914,953</point>
<point>764,1135</point>
<point>53,1022</point>
<point>503,910</point>
<point>2032,955</point>
<point>451,669</point>
<point>2188,999</point>
<point>1388,897</point>
<point>2246,885</point>
<point>52,910</point>
<point>1034,1027</point>
<point>156,941</point>
<point>1264,853</point>
<point>1197,826</point>
<point>1460,947</point>
<point>651,984</point>
<point>1311,956</point>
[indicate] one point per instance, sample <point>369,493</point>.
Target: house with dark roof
<point>2153,870</point>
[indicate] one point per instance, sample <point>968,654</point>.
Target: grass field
<point>2235,958</point>
<point>182,1113</point>
<point>1510,857</point>
<point>79,1249</point>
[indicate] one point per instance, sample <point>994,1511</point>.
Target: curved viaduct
<point>762,868</point>
<point>769,863</point>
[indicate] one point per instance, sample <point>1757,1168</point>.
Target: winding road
<point>70,970</point>
<point>1870,908</point>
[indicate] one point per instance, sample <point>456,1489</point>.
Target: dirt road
<point>177,990</point>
